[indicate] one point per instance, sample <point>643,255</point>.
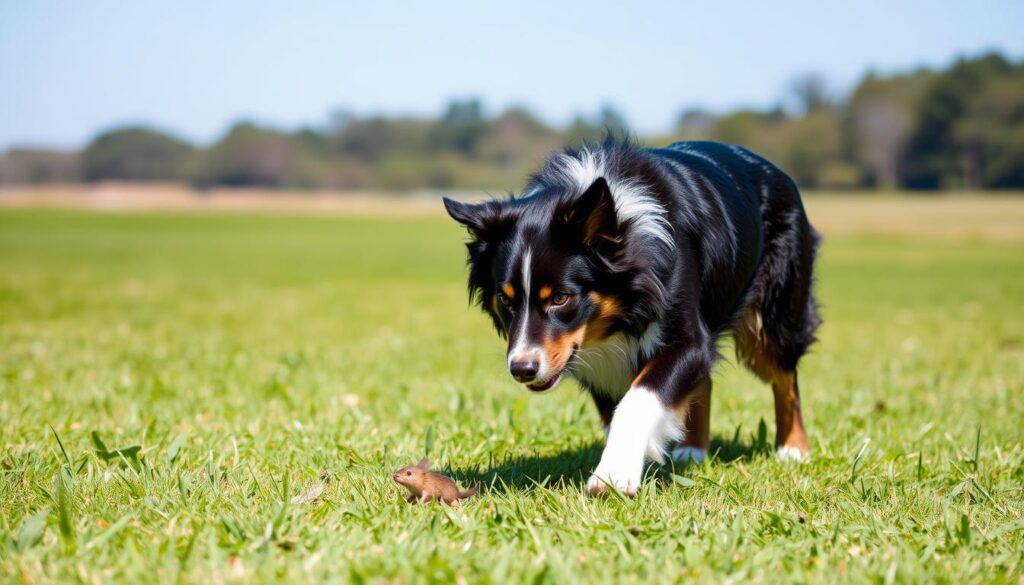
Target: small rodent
<point>425,485</point>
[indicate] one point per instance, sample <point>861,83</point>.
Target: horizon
<point>194,70</point>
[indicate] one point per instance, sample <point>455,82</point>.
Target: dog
<point>622,266</point>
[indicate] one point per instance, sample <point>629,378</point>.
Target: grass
<point>203,398</point>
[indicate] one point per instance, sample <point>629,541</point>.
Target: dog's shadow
<point>573,466</point>
<point>730,449</point>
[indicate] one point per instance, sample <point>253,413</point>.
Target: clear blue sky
<point>69,69</point>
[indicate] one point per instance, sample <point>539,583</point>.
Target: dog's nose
<point>524,370</point>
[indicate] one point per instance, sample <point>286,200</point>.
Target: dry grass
<point>983,216</point>
<point>127,197</point>
<point>998,216</point>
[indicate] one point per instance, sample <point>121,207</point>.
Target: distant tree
<point>32,165</point>
<point>758,131</point>
<point>581,130</point>
<point>251,156</point>
<point>809,148</point>
<point>136,154</point>
<point>963,126</point>
<point>592,129</point>
<point>952,129</point>
<point>696,124</point>
<point>311,140</point>
<point>517,140</point>
<point>810,92</point>
<point>989,138</point>
<point>339,120</point>
<point>373,138</point>
<point>461,127</point>
<point>814,151</point>
<point>880,122</point>
<point>612,120</point>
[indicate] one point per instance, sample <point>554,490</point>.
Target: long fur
<point>682,240</point>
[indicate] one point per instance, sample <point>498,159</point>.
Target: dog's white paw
<point>598,484</point>
<point>787,453</point>
<point>621,473</point>
<point>684,454</point>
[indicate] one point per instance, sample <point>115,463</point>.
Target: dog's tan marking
<point>545,292</point>
<point>639,378</point>
<point>789,420</point>
<point>509,291</point>
<point>560,348</point>
<point>592,227</point>
<point>755,349</point>
<point>607,310</point>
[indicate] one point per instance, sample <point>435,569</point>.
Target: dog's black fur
<point>738,243</point>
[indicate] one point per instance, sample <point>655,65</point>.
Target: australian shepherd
<point>622,266</point>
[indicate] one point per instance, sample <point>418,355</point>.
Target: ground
<point>274,370</point>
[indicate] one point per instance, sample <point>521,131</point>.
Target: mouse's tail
<point>469,492</point>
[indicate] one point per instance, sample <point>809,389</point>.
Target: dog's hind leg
<point>758,354</point>
<point>790,435</point>
<point>697,429</point>
<point>780,317</point>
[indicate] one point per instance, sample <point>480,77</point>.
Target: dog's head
<point>552,272</point>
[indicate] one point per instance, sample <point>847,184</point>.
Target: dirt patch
<point>979,215</point>
<point>119,197</point>
<point>986,216</point>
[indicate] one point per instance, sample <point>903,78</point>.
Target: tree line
<point>961,127</point>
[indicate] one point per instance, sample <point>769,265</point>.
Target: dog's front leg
<point>650,414</point>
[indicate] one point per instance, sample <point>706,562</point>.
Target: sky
<point>71,69</point>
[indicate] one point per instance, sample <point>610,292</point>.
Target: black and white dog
<point>621,266</point>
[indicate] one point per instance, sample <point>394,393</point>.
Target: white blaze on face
<point>520,349</point>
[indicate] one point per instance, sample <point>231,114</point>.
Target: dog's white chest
<point>610,366</point>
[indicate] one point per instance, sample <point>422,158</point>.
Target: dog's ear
<point>487,220</point>
<point>488,223</point>
<point>468,214</point>
<point>591,216</point>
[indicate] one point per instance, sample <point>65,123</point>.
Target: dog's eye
<point>503,298</point>
<point>560,299</point>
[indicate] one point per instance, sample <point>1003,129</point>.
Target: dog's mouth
<point>546,385</point>
<point>550,383</point>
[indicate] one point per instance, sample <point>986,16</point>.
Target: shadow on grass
<point>573,466</point>
<point>728,449</point>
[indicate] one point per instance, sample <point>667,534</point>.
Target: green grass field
<point>253,381</point>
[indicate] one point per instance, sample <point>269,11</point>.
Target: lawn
<point>209,397</point>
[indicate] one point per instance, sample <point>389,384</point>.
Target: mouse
<point>426,486</point>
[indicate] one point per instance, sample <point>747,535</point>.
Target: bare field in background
<point>987,215</point>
